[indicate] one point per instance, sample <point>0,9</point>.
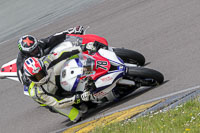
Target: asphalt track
<point>166,32</point>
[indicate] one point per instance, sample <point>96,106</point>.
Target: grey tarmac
<point>165,32</point>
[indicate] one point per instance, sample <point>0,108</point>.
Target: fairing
<point>75,72</point>
<point>9,71</point>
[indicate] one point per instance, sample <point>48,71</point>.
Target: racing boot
<point>78,118</point>
<point>71,112</point>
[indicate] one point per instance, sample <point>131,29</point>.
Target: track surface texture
<point>165,32</point>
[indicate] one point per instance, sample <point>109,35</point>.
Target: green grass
<point>183,119</point>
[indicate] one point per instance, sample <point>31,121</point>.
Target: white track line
<point>162,97</point>
<point>148,101</point>
<point>4,41</point>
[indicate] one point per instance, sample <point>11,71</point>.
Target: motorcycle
<point>9,70</point>
<point>106,76</point>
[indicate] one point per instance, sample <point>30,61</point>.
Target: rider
<point>44,87</point>
<point>29,46</point>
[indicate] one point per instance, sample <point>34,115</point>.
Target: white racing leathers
<point>45,93</point>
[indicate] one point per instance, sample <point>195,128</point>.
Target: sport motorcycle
<point>106,76</point>
<point>9,70</point>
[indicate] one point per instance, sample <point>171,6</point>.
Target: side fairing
<point>9,71</point>
<point>70,75</point>
<point>107,79</point>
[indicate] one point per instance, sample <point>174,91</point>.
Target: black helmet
<point>29,45</point>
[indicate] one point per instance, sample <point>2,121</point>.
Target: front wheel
<point>130,56</point>
<point>145,76</point>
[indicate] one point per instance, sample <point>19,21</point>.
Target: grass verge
<point>184,118</point>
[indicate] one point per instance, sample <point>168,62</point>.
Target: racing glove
<point>93,46</point>
<point>85,96</point>
<point>90,46</point>
<point>82,97</point>
<point>76,30</point>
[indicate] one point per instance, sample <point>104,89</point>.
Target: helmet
<point>35,70</point>
<point>29,46</point>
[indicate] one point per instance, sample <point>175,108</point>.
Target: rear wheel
<point>145,76</point>
<point>130,56</point>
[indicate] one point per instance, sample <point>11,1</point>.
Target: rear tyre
<point>130,56</point>
<point>145,75</point>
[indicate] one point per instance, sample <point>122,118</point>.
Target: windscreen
<point>88,64</point>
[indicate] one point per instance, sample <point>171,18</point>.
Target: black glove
<point>78,99</point>
<point>76,30</point>
<point>79,30</point>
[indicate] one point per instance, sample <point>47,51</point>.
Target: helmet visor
<point>37,77</point>
<point>35,52</point>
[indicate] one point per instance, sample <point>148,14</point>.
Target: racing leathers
<point>46,93</point>
<point>45,45</point>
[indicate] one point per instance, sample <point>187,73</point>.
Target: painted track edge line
<point>158,98</point>
<point>170,103</point>
<point>132,106</point>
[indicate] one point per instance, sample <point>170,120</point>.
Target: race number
<point>102,64</point>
